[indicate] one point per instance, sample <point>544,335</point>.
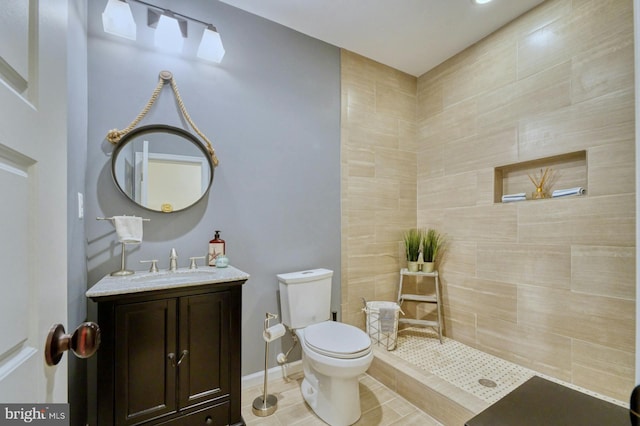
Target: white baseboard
<point>274,373</point>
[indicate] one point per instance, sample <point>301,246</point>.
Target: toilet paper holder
<point>266,404</point>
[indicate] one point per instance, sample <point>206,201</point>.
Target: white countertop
<point>163,280</point>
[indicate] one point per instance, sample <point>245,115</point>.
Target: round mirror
<point>162,168</point>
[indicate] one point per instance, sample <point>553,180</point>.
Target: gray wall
<point>76,160</point>
<point>272,111</point>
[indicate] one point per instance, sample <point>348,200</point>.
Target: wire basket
<point>382,334</point>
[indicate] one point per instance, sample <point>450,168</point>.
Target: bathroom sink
<point>150,281</point>
<point>180,275</point>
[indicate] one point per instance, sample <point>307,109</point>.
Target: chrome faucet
<point>173,260</point>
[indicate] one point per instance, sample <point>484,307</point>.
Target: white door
<point>33,196</point>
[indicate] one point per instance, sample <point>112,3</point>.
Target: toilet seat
<point>337,340</point>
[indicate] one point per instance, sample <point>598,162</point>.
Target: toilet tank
<point>305,297</point>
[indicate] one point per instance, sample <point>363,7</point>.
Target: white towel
<point>387,319</point>
<point>520,196</point>
<point>570,191</point>
<point>128,228</point>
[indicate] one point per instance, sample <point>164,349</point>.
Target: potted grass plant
<point>412,241</point>
<point>432,246</point>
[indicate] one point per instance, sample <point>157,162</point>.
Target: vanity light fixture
<point>170,28</point>
<point>481,1</point>
<point>170,31</point>
<point>211,48</point>
<point>118,20</point>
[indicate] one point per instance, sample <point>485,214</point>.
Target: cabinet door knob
<point>184,354</point>
<point>208,420</point>
<point>172,358</point>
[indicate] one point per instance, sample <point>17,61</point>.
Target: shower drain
<point>487,383</point>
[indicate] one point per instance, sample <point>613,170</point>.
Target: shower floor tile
<point>464,367</point>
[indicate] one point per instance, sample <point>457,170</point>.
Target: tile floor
<point>380,406</point>
<point>465,367</point>
<point>462,366</point>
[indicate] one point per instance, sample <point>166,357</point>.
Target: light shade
<point>211,48</point>
<point>168,35</point>
<point>481,1</point>
<point>118,20</point>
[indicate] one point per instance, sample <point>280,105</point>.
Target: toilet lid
<point>337,340</point>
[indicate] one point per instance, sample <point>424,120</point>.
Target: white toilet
<point>333,354</point>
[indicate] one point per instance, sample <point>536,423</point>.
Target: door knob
<point>84,342</point>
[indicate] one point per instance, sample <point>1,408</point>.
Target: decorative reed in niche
<point>541,182</point>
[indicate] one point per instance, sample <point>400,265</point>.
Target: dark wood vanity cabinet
<point>171,357</point>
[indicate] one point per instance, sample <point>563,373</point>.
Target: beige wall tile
<point>482,223</point>
<point>369,138</point>
<point>458,323</point>
<point>604,271</point>
<point>460,256</point>
<point>431,401</point>
<point>407,136</point>
<point>578,220</point>
<point>372,123</point>
<point>360,96</point>
<point>455,122</point>
<point>432,218</point>
<point>360,161</point>
<point>401,165</point>
<point>598,357</point>
<point>482,70</point>
<point>612,169</point>
<point>485,191</point>
<point>480,151</point>
<point>383,372</point>
<point>437,191</point>
<point>372,194</point>
<point>481,296</point>
<point>578,126</point>
<point>541,16</point>
<point>546,353</point>
<point>545,47</point>
<point>602,320</point>
<point>542,92</point>
<point>430,158</point>
<point>608,371</point>
<point>379,191</point>
<point>606,68</point>
<point>393,103</point>
<point>603,382</point>
<point>541,265</point>
<point>430,95</point>
<point>589,23</point>
<point>396,218</point>
<point>596,21</point>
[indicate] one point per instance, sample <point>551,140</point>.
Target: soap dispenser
<point>216,248</point>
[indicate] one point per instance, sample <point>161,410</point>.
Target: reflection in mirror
<point>162,168</point>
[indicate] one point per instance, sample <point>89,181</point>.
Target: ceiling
<point>410,35</point>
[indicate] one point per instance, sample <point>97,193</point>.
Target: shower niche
<point>569,170</point>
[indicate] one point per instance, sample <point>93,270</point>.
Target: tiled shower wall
<point>378,155</point>
<point>548,284</point>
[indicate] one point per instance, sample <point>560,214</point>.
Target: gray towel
<point>387,319</point>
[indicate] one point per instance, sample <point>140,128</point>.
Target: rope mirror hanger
<point>115,135</point>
